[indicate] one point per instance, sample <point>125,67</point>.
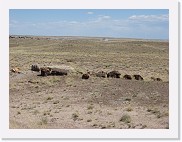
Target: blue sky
<point>131,23</point>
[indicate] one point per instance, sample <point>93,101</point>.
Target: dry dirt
<point>37,102</point>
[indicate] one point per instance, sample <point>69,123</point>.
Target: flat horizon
<point>89,37</point>
<point>125,23</point>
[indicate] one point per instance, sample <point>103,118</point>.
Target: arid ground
<point>96,103</point>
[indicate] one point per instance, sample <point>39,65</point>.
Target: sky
<point>122,23</point>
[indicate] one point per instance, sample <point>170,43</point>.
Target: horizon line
<point>89,37</point>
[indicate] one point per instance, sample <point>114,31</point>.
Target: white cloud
<point>101,25</point>
<point>102,17</point>
<point>149,18</point>
<point>90,13</point>
<point>73,22</point>
<point>106,17</point>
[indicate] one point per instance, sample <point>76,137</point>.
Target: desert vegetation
<point>84,82</point>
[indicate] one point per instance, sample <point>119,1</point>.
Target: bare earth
<point>97,103</point>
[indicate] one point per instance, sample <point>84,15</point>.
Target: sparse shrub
<point>109,113</point>
<point>129,125</point>
<point>18,112</point>
<point>89,112</point>
<point>45,102</point>
<point>149,110</point>
<point>134,95</point>
<point>69,60</point>
<point>56,102</point>
<point>44,120</point>
<point>128,99</point>
<point>75,116</point>
<point>103,127</point>
<point>90,107</point>
<point>159,115</point>
<point>35,112</point>
<point>144,126</point>
<point>94,125</point>
<point>108,65</point>
<point>111,124</point>
<point>89,120</point>
<point>49,98</point>
<point>54,80</point>
<point>129,109</point>
<point>155,111</point>
<point>125,118</point>
<point>56,111</point>
<point>46,113</point>
<point>166,113</point>
<point>66,98</point>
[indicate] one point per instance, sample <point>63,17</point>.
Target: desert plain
<point>70,102</point>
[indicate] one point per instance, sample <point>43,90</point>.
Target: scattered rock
<point>45,71</point>
<point>138,77</point>
<point>15,70</point>
<point>156,79</point>
<point>35,68</point>
<point>113,74</point>
<point>127,77</point>
<point>101,74</point>
<point>85,76</point>
<point>57,71</point>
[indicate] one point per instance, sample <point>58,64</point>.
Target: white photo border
<point>171,133</point>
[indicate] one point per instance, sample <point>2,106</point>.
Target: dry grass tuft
<point>125,118</point>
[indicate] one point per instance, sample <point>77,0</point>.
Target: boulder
<point>138,77</point>
<point>45,71</point>
<point>35,68</point>
<point>101,74</point>
<point>57,71</point>
<point>15,70</point>
<point>113,74</point>
<point>128,77</point>
<point>156,79</point>
<point>85,76</point>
